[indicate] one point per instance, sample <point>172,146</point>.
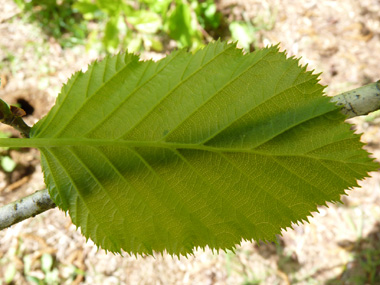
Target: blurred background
<point>43,42</point>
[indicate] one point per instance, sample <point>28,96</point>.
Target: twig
<point>357,102</point>
<point>25,208</point>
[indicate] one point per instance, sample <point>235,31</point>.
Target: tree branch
<point>25,208</point>
<point>356,102</point>
<point>359,101</point>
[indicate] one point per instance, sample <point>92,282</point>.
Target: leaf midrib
<point>71,142</point>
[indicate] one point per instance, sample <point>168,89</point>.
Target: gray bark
<point>359,101</point>
<point>25,208</point>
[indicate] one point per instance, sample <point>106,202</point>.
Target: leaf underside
<point>195,150</point>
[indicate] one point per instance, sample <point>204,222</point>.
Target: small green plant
<point>57,19</point>
<point>132,25</point>
<point>51,274</point>
<point>198,149</point>
<point>141,24</point>
<point>245,31</point>
<point>18,260</point>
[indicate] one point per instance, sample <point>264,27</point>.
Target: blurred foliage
<point>111,25</point>
<point>24,266</point>
<point>143,24</point>
<point>56,19</point>
<point>246,31</point>
<point>132,25</point>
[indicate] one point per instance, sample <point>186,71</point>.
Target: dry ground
<point>340,245</point>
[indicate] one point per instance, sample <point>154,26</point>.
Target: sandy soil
<point>341,243</point>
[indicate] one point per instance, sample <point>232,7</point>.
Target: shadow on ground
<point>365,265</point>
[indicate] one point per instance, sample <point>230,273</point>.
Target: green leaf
<point>10,273</point>
<point>111,33</point>
<point>207,14</point>
<point>243,33</point>
<point>111,7</point>
<point>180,25</point>
<point>46,262</point>
<point>7,163</point>
<point>145,21</point>
<point>195,150</point>
<point>86,7</point>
